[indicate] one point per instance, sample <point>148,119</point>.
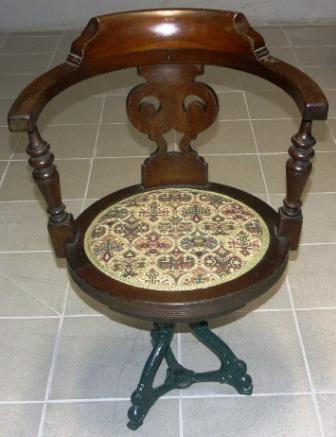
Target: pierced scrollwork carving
<point>172,86</point>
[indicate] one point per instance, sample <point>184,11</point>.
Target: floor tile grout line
<point>23,291</point>
<point>278,310</point>
<point>58,159</point>
<point>257,149</point>
<point>175,141</point>
<point>292,302</point>
<point>28,317</point>
<point>331,132</point>
<point>11,74</point>
<point>3,252</point>
<point>299,46</point>
<point>4,174</point>
<point>180,417</point>
<point>87,158</point>
<point>77,199</point>
<point>43,52</point>
<point>70,124</point>
<point>5,171</point>
<point>218,91</point>
<point>281,26</point>
<point>294,393</point>
<point>179,359</point>
<point>76,158</point>
<point>328,243</point>
<point>305,357</point>
<point>17,141</point>
<point>77,316</point>
<point>221,120</point>
<point>58,335</point>
<point>322,396</point>
<point>53,362</point>
<point>308,194</point>
<point>94,150</point>
<point>237,395</point>
<point>317,66</point>
<point>262,310</point>
<point>285,46</point>
<point>52,57</point>
<point>326,308</point>
<point>33,34</point>
<point>37,202</point>
<point>291,47</point>
<point>65,316</point>
<point>4,40</point>
<point>167,397</point>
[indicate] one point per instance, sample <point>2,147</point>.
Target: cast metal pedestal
<point>232,370</point>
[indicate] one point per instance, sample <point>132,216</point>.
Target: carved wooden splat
<point>171,85</point>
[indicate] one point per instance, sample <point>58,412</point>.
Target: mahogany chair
<point>175,248</point>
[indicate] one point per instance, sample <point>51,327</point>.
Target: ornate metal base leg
<point>145,395</point>
<point>232,370</point>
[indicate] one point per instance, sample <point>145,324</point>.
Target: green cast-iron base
<point>232,370</point>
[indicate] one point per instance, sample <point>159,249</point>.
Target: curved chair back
<point>170,48</point>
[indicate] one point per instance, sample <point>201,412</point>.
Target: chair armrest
<point>23,117</point>
<point>308,96</point>
<point>28,105</point>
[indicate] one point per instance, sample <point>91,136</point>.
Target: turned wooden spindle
<point>298,168</point>
<point>61,224</point>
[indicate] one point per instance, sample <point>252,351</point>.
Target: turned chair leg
<point>232,370</point>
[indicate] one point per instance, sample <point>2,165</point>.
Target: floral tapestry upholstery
<point>176,239</point>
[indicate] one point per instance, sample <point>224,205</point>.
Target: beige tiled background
<point>67,369</point>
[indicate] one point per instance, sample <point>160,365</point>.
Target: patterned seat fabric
<point>176,239</point>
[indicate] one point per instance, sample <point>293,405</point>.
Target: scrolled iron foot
<point>238,378</point>
<point>244,385</point>
<point>136,415</point>
<point>142,399</point>
<point>136,418</point>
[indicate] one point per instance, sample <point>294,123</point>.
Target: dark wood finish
<point>168,36</point>
<point>170,47</point>
<point>298,169</point>
<point>183,305</point>
<point>61,224</point>
<point>171,85</point>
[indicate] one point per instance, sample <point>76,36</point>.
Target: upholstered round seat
<point>176,239</point>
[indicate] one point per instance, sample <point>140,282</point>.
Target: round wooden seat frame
<point>176,306</point>
<point>170,48</point>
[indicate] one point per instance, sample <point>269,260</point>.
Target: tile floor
<point>66,369</point>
